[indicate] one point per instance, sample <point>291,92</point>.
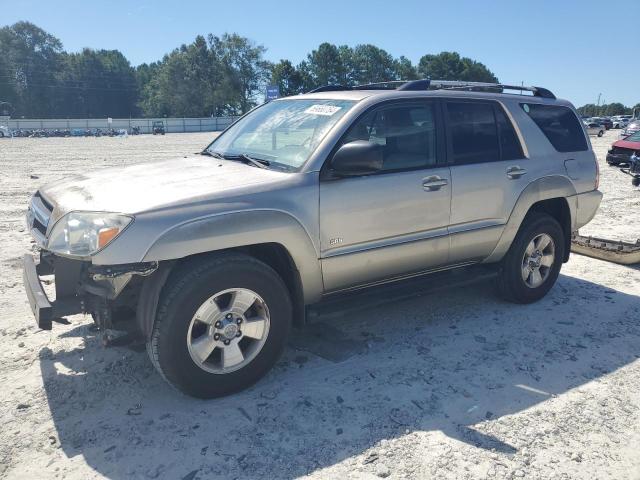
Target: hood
<point>627,144</point>
<point>143,187</point>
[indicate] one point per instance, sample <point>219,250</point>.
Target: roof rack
<point>427,84</point>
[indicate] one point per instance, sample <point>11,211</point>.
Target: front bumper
<point>44,310</point>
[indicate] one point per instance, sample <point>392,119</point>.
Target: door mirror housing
<point>357,158</point>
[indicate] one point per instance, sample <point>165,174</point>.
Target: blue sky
<point>577,48</point>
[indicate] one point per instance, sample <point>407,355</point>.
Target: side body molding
<point>243,228</point>
<point>544,188</point>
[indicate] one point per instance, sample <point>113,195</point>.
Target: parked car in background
<point>594,128</point>
<point>620,122</point>
<point>622,150</point>
<point>606,122</point>
<point>4,132</point>
<point>633,127</point>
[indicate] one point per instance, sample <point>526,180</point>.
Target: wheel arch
<point>274,255</point>
<point>554,195</point>
<point>273,237</point>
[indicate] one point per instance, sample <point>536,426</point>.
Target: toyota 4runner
<point>212,258</point>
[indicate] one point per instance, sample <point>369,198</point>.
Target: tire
<point>511,283</point>
<point>600,133</point>
<point>192,288</point>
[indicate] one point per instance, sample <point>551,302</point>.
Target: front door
<point>392,223</point>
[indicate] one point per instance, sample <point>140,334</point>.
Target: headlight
<point>84,233</point>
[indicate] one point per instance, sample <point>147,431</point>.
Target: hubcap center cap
<point>535,259</point>
<point>230,331</point>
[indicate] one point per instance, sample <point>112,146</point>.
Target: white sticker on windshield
<point>327,110</point>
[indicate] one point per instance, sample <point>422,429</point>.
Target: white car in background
<point>620,122</point>
<point>4,132</point>
<point>631,128</point>
<point>594,128</point>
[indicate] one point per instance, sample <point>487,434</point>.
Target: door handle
<point>431,184</point>
<point>515,172</point>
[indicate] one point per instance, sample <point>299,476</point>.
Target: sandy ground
<point>423,383</point>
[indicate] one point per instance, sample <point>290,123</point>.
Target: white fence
<point>171,125</point>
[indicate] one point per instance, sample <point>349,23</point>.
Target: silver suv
<point>212,257</point>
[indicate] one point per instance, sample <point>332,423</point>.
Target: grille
<point>38,217</point>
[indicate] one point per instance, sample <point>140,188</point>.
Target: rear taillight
<point>597,173</point>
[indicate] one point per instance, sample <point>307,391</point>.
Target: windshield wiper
<point>213,154</point>
<point>244,157</point>
<point>256,162</point>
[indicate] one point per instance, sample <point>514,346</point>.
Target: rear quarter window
<point>559,124</point>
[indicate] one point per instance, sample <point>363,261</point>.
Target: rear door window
<point>559,124</point>
<point>473,132</point>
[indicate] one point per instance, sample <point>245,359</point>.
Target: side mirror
<point>357,158</point>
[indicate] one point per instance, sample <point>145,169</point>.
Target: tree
<point>289,79</point>
<point>404,69</point>
<point>450,66</point>
<point>369,64</point>
<point>29,67</point>
<point>213,75</point>
<point>96,83</point>
<point>615,109</point>
<point>326,65</point>
<point>609,109</point>
<point>183,84</point>
<point>244,71</point>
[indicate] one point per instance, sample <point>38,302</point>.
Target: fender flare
<point>240,229</point>
<point>544,188</point>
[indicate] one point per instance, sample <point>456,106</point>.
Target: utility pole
<point>599,95</point>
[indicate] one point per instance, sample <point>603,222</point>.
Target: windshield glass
<point>634,137</point>
<point>283,132</point>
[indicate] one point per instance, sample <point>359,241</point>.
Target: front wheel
<point>222,323</point>
<point>532,264</point>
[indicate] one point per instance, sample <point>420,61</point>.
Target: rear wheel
<point>221,325</point>
<point>533,262</point>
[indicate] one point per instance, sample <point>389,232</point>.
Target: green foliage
<point>290,79</point>
<point>606,110</point>
<point>450,66</point>
<point>28,69</point>
<point>95,81</point>
<point>211,76</point>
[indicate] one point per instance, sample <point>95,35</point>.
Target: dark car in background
<point>622,150</point>
<point>606,122</point>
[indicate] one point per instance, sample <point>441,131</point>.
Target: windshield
<point>283,132</point>
<point>634,137</point>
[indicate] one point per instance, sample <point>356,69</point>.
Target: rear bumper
<point>587,206</point>
<point>44,310</point>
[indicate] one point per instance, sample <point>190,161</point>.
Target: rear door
<point>489,171</point>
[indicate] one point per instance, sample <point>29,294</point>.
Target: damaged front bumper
<point>43,309</point>
<point>80,287</point>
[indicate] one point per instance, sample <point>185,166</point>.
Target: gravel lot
<point>422,382</point>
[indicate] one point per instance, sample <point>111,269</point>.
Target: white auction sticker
<point>327,110</point>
